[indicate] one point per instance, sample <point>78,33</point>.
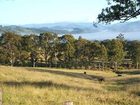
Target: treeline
<point>50,50</point>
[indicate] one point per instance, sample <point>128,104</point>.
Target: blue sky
<point>17,12</point>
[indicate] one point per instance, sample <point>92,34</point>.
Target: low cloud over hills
<point>86,30</point>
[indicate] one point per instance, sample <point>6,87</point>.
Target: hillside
<point>45,86</point>
<point>59,28</point>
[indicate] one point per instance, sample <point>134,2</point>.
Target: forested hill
<point>24,31</point>
<point>59,28</point>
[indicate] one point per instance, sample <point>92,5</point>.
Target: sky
<point>19,12</point>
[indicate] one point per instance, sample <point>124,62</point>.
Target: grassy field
<point>45,86</point>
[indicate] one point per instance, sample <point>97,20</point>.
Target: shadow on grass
<point>128,81</point>
<point>44,84</point>
<point>122,84</point>
<point>69,74</point>
<point>138,93</point>
<point>130,72</point>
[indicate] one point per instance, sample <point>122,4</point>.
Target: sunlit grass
<point>45,86</point>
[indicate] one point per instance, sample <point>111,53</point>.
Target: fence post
<point>68,103</point>
<point>0,97</point>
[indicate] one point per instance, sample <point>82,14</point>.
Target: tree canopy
<point>120,10</point>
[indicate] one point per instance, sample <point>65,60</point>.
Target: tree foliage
<point>120,10</point>
<point>49,49</point>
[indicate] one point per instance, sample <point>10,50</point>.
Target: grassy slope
<point>42,86</point>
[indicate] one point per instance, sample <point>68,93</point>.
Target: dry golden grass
<point>45,86</point>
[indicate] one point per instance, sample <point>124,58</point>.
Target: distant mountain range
<point>59,28</point>
<point>78,29</point>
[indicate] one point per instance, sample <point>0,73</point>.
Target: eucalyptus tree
<point>79,51</point>
<point>30,48</point>
<point>116,52</point>
<point>95,52</point>
<point>133,49</point>
<point>68,49</point>
<point>9,45</point>
<point>48,45</point>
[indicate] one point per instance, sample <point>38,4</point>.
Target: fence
<point>0,97</point>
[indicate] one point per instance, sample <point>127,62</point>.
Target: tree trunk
<point>12,58</point>
<point>116,66</point>
<point>33,65</point>
<point>103,65</point>
<point>99,66</point>
<point>137,65</point>
<point>11,62</point>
